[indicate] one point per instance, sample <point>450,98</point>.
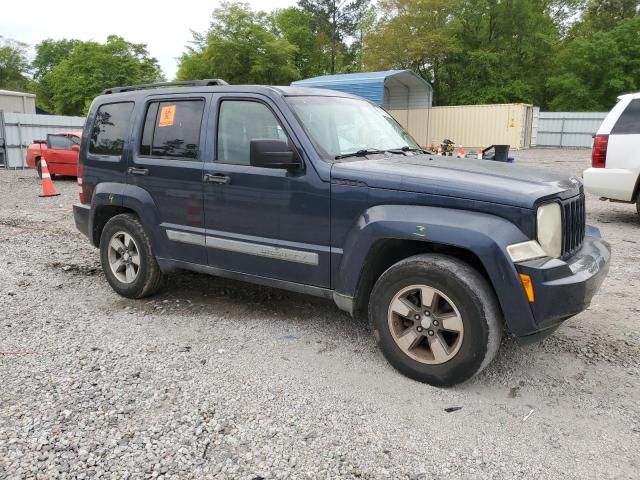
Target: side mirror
<point>267,153</point>
<point>75,148</point>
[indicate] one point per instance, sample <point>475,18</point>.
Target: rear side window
<point>240,122</point>
<point>172,129</point>
<point>60,142</point>
<point>110,129</point>
<point>629,121</point>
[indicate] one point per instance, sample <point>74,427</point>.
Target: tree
<point>14,65</point>
<point>604,15</point>
<point>337,19</point>
<point>239,47</point>
<point>297,27</point>
<point>505,50</point>
<point>593,70</point>
<point>413,34</point>
<point>50,53</point>
<point>91,67</point>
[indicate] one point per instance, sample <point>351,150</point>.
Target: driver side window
<point>241,121</point>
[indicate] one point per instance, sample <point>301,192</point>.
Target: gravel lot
<point>217,379</point>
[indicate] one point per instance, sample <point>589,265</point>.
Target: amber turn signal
<point>528,287</point>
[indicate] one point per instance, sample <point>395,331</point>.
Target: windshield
<point>342,126</point>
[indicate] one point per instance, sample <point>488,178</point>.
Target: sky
<point>159,24</point>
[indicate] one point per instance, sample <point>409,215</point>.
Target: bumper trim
<point>81,217</point>
<point>563,289</point>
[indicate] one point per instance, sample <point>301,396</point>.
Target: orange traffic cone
<point>48,188</point>
<point>461,153</point>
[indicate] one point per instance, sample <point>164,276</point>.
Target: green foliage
<point>298,28</point>
<point>415,34</point>
<point>593,70</point>
<point>14,65</point>
<point>50,53</point>
<point>90,67</point>
<point>337,20</point>
<point>240,47</point>
<point>604,15</point>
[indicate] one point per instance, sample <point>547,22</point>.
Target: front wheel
<point>127,258</point>
<point>435,319</point>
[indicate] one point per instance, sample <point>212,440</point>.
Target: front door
<point>167,163</point>
<point>261,221</point>
<point>61,159</point>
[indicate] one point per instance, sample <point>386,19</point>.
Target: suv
<point>324,193</point>
<point>615,172</point>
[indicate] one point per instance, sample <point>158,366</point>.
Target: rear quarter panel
<point>34,151</point>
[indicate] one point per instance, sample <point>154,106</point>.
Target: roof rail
<point>209,82</point>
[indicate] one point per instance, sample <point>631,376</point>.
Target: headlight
<point>550,229</point>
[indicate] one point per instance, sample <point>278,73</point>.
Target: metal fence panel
<point>568,129</point>
<point>21,129</point>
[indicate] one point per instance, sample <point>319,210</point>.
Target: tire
<point>39,169</point>
<point>458,300</point>
<point>141,275</point>
<point>638,205</point>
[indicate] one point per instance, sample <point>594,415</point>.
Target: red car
<point>60,151</point>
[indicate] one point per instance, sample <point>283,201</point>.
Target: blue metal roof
<point>370,85</point>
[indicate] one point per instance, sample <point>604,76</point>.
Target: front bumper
<point>81,217</point>
<point>564,288</point>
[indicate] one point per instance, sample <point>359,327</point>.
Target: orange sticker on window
<point>167,116</point>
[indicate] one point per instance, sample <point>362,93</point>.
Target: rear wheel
<point>127,258</point>
<point>39,169</point>
<point>435,319</point>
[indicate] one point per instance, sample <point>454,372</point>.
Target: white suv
<point>615,159</point>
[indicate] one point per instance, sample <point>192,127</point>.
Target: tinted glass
<point>59,141</point>
<point>629,121</point>
<point>147,132</point>
<point>176,129</point>
<point>110,129</point>
<point>239,123</point>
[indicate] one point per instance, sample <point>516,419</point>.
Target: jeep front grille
<point>574,221</point>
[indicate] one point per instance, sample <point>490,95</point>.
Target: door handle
<point>138,171</point>
<point>216,178</point>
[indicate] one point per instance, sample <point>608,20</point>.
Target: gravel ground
<point>217,379</point>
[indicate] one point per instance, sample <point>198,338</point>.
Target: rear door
<point>623,152</point>
<point>167,162</point>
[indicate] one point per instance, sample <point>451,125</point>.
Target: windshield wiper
<point>406,149</point>
<point>360,153</point>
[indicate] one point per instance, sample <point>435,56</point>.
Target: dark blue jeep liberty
<point>321,192</point>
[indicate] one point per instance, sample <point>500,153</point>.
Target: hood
<point>481,180</point>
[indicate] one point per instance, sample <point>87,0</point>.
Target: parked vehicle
<point>61,152</point>
<point>615,172</point>
<point>324,193</point>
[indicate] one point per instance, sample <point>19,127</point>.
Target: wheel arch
<point>111,199</point>
<point>386,252</point>
<point>387,234</point>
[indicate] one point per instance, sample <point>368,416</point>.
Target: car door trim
<point>248,248</point>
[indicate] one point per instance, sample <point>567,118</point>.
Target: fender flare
<point>130,197</point>
<point>484,235</point>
